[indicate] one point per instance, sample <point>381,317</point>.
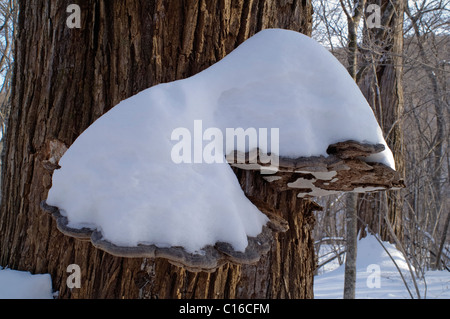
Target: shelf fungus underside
<point>343,170</point>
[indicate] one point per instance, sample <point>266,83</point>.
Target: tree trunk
<point>383,89</point>
<point>65,78</point>
<point>351,246</point>
<point>351,207</point>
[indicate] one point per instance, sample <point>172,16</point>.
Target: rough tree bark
<point>382,86</point>
<point>66,78</point>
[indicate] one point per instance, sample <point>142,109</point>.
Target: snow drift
<point>16,284</point>
<point>378,268</point>
<point>118,177</point>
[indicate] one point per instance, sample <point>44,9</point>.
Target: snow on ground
<point>372,260</point>
<point>122,176</point>
<point>23,285</point>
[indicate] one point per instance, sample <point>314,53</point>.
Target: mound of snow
<point>23,285</point>
<point>119,176</point>
<point>373,261</point>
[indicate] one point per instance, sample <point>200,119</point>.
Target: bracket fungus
<point>130,185</point>
<point>343,170</point>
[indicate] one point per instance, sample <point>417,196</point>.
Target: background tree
<point>426,65</point>
<point>354,13</point>
<point>382,84</point>
<point>8,19</point>
<point>65,78</point>
<point>418,214</point>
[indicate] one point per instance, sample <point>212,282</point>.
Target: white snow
<point>371,256</point>
<point>16,284</point>
<point>119,176</point>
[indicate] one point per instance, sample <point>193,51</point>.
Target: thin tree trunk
<point>66,78</point>
<point>351,198</point>
<point>351,246</point>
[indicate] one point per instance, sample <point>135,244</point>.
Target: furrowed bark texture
<point>66,78</point>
